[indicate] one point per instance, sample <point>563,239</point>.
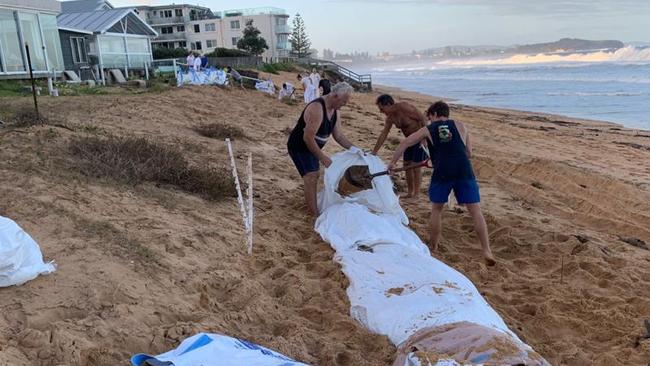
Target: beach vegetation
<point>133,160</point>
<point>219,131</point>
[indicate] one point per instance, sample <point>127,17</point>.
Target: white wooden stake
<point>249,190</point>
<point>240,198</point>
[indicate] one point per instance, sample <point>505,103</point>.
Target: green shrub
<point>227,52</point>
<point>163,53</point>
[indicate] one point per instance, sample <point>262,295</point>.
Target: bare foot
<point>489,259</point>
<point>434,247</point>
<point>406,196</point>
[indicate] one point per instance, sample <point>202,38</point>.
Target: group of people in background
<point>196,61</point>
<point>314,85</point>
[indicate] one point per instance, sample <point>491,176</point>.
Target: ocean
<point>605,86</point>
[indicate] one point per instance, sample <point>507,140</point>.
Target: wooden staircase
<point>360,82</point>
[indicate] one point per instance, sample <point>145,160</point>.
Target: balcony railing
<point>158,20</point>
<point>283,46</point>
<point>170,36</point>
<point>282,29</point>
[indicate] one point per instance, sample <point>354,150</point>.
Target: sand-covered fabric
<point>216,349</point>
<point>396,287</point>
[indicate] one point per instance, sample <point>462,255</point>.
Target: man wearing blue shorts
<point>316,124</point>
<point>451,150</point>
<point>409,120</point>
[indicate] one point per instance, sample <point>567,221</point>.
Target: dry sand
<point>143,267</point>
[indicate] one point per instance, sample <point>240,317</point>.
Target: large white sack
<point>216,349</point>
<point>396,287</point>
<point>20,257</point>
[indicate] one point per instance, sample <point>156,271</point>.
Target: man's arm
<point>413,139</point>
<point>340,137</point>
<point>382,136</point>
<point>313,118</point>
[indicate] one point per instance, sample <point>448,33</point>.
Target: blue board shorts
<point>415,154</point>
<point>304,161</point>
<point>466,191</point>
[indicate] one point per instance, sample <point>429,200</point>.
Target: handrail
<point>365,79</point>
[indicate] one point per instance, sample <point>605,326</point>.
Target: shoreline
<point>454,101</point>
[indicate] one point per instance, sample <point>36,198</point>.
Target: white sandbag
<point>20,257</point>
<point>209,76</point>
<point>265,86</point>
<point>216,349</point>
<point>396,287</point>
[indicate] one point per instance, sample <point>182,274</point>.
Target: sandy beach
<point>142,267</point>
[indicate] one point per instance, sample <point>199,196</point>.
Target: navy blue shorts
<point>415,154</point>
<point>304,161</point>
<point>466,191</point>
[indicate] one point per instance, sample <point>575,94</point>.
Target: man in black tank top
<point>450,150</point>
<point>316,124</point>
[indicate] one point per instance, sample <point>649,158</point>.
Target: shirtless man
<point>407,118</point>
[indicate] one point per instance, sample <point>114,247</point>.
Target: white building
<point>206,35</point>
<point>198,28</point>
<point>171,22</point>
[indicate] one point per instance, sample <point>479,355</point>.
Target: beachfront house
<point>31,22</point>
<point>110,38</point>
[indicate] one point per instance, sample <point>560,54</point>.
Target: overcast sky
<point>405,25</point>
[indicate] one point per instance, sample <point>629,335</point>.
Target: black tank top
<point>448,153</point>
<point>296,142</point>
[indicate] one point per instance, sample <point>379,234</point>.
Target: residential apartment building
<point>198,28</point>
<point>31,22</point>
<point>171,22</point>
<point>228,30</point>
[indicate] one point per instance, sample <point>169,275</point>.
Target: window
<point>197,28</point>
<point>11,49</point>
<point>211,43</point>
<point>182,44</point>
<point>155,12</point>
<point>196,45</point>
<point>280,21</point>
<point>209,27</point>
<point>166,14</point>
<point>167,30</point>
<point>78,45</point>
<point>32,36</point>
<point>235,40</point>
<point>51,41</point>
<point>234,24</point>
<point>178,12</point>
<point>180,28</point>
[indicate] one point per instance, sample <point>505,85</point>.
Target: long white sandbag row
<point>397,288</point>
<point>210,76</point>
<point>215,349</point>
<point>20,256</point>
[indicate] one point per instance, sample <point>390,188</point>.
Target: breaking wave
<point>625,54</point>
